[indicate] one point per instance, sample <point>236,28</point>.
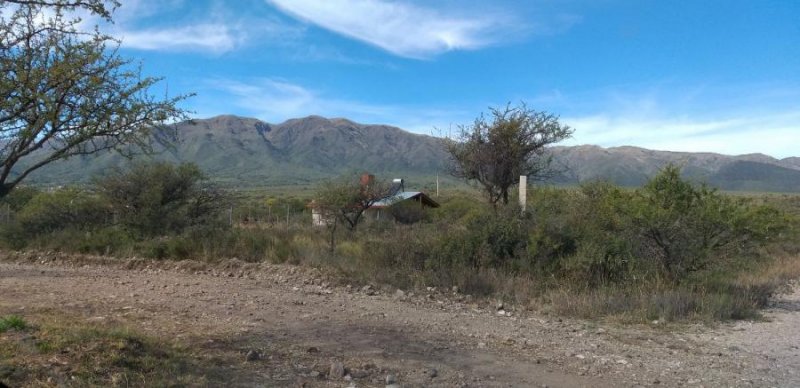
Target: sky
<point>682,75</point>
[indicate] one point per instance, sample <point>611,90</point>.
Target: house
<point>399,196</point>
<point>414,203</point>
<point>317,216</point>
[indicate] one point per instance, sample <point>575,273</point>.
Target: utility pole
<point>437,185</point>
<point>523,191</point>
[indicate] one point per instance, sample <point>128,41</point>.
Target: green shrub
<point>106,241</point>
<point>12,322</point>
<point>158,198</point>
<point>17,198</point>
<point>62,209</point>
<point>551,232</point>
<point>686,228</point>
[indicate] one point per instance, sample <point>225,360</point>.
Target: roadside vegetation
<point>669,251</point>
<point>56,352</point>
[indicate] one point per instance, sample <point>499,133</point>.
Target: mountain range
<point>248,152</point>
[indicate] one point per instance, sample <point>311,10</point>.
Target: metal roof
<point>402,196</point>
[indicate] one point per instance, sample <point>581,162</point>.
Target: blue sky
<point>683,75</point>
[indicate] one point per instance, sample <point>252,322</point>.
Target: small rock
<point>369,365</point>
<point>432,373</point>
<point>358,374</point>
<point>252,355</point>
<point>312,349</point>
<point>391,379</point>
<point>399,294</point>
<point>500,305</point>
<point>336,371</point>
<point>501,313</point>
<point>393,386</point>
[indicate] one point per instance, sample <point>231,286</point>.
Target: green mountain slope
<point>754,176</point>
<point>249,152</point>
<point>241,151</point>
<point>632,166</point>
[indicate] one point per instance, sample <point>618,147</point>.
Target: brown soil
<point>299,325</point>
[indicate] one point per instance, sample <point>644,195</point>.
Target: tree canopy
<point>157,198</point>
<point>66,91</point>
<point>346,198</point>
<point>495,152</point>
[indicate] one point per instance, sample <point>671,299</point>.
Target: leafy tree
<point>66,91</point>
<point>494,153</point>
<point>17,199</point>
<point>67,208</point>
<point>684,227</point>
<point>157,198</point>
<point>346,198</point>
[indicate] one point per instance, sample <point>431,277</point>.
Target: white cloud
<point>141,25</point>
<point>400,28</point>
<point>774,134</point>
<point>216,38</point>
<point>275,100</point>
<point>268,99</point>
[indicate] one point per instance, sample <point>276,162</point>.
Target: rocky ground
<point>276,325</point>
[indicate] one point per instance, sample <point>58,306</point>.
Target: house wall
<point>317,218</point>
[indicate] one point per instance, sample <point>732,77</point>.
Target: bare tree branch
<point>494,154</point>
<point>68,92</point>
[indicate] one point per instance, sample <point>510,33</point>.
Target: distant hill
<point>632,166</point>
<point>248,152</point>
<point>755,176</point>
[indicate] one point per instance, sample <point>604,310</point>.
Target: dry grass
<point>709,300</point>
<point>52,350</point>
<point>781,270</point>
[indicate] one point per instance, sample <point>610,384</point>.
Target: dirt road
<point>300,325</point>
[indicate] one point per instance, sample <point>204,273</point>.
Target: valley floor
<point>295,326</point>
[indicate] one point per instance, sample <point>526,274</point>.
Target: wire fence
<point>243,216</point>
